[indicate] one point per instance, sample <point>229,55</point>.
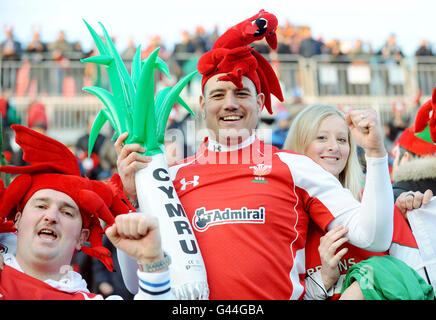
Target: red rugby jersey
<point>250,209</point>
<point>403,247</point>
<point>16,285</point>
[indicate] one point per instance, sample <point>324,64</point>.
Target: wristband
<point>157,265</point>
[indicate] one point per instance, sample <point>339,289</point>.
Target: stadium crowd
<point>292,39</point>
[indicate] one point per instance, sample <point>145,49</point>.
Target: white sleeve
<point>154,286</point>
<point>371,226</point>
<point>128,267</point>
<point>144,285</point>
<point>370,222</point>
<point>315,289</point>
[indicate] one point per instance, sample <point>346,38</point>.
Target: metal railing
<point>321,75</point>
<point>343,81</point>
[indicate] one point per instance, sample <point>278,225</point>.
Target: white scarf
<point>71,282</point>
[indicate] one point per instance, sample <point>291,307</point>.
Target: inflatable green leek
<point>132,107</point>
<point>127,108</point>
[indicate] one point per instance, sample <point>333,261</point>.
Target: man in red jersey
<point>249,203</point>
<point>55,213</point>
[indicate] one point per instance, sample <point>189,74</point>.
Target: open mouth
<point>330,158</point>
<point>231,118</point>
<point>46,233</point>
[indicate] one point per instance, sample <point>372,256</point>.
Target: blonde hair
<point>303,131</point>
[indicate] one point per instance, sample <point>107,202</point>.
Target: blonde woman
<point>324,133</point>
<point>305,129</point>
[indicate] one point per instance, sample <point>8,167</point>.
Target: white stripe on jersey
<point>299,259</point>
<point>174,169</point>
<point>319,183</point>
<point>298,267</point>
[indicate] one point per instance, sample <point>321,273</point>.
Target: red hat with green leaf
<point>420,137</point>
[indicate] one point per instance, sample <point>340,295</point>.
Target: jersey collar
<point>215,146</point>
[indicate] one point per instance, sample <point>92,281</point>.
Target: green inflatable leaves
<point>132,106</point>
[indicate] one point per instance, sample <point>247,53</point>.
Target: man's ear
<point>17,219</point>
<point>260,101</point>
<point>201,100</point>
<point>84,235</point>
<point>405,158</point>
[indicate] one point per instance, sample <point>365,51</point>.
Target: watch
<point>134,204</point>
<point>157,265</point>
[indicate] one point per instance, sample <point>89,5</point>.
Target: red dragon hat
<point>53,166</point>
<point>420,137</point>
<point>231,55</point>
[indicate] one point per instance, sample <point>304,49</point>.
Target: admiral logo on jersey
<point>203,219</point>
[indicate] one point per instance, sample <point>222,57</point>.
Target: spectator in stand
<point>7,109</point>
<point>36,113</point>
<point>36,50</point>
<point>287,35</point>
<point>90,164</point>
<point>92,72</point>
<point>181,52</point>
<point>59,51</point>
<point>309,46</point>
<point>359,51</point>
<point>283,42</point>
<point>77,52</point>
<point>296,37</point>
<point>108,159</point>
<point>279,134</point>
<point>10,48</point>
<point>60,48</point>
<point>391,50</point>
<point>154,42</point>
<point>333,48</point>
<point>396,125</point>
<point>130,51</point>
<point>424,49</point>
<point>199,40</point>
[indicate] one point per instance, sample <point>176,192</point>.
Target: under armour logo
<point>193,182</point>
<point>216,148</point>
